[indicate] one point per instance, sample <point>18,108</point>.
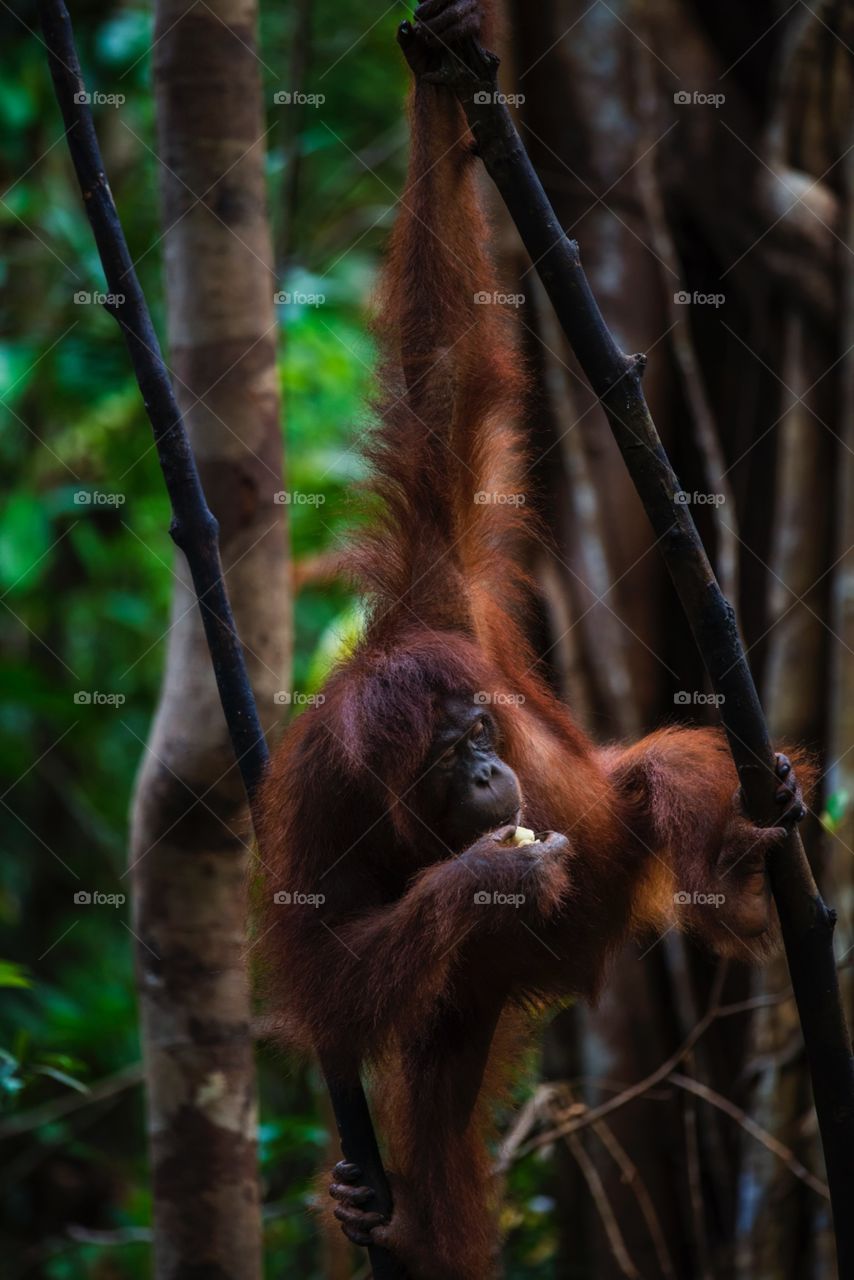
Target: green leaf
<point>17,106</point>
<point>835,811</point>
<point>25,537</point>
<point>17,362</point>
<point>126,37</point>
<point>13,975</point>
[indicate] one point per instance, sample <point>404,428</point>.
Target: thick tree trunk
<point>190,839</point>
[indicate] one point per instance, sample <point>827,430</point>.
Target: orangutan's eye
<point>480,733</point>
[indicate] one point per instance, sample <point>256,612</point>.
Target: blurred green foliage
<point>85,590</point>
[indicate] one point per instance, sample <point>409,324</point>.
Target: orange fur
<point>398,967</point>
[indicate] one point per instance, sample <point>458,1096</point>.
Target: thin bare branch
<point>786,1154</point>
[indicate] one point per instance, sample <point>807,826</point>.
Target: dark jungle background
<point>700,150</point>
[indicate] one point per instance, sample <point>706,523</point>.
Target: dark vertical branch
<point>807,923</point>
<point>193,528</point>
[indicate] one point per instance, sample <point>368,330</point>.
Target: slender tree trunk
<point>190,839</point>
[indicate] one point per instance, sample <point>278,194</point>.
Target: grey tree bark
<point>190,837</point>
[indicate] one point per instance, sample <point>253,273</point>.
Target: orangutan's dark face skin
<point>467,789</point>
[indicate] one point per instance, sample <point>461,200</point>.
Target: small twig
<point>641,1088</point>
<point>57,1108</point>
<point>110,1239</point>
<point>600,1198</point>
<point>695,1190</point>
<point>525,1121</point>
<point>632,1178</point>
<point>637,1090</point>
<point>771,997</point>
<point>786,1154</point>
<point>557,1101</point>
